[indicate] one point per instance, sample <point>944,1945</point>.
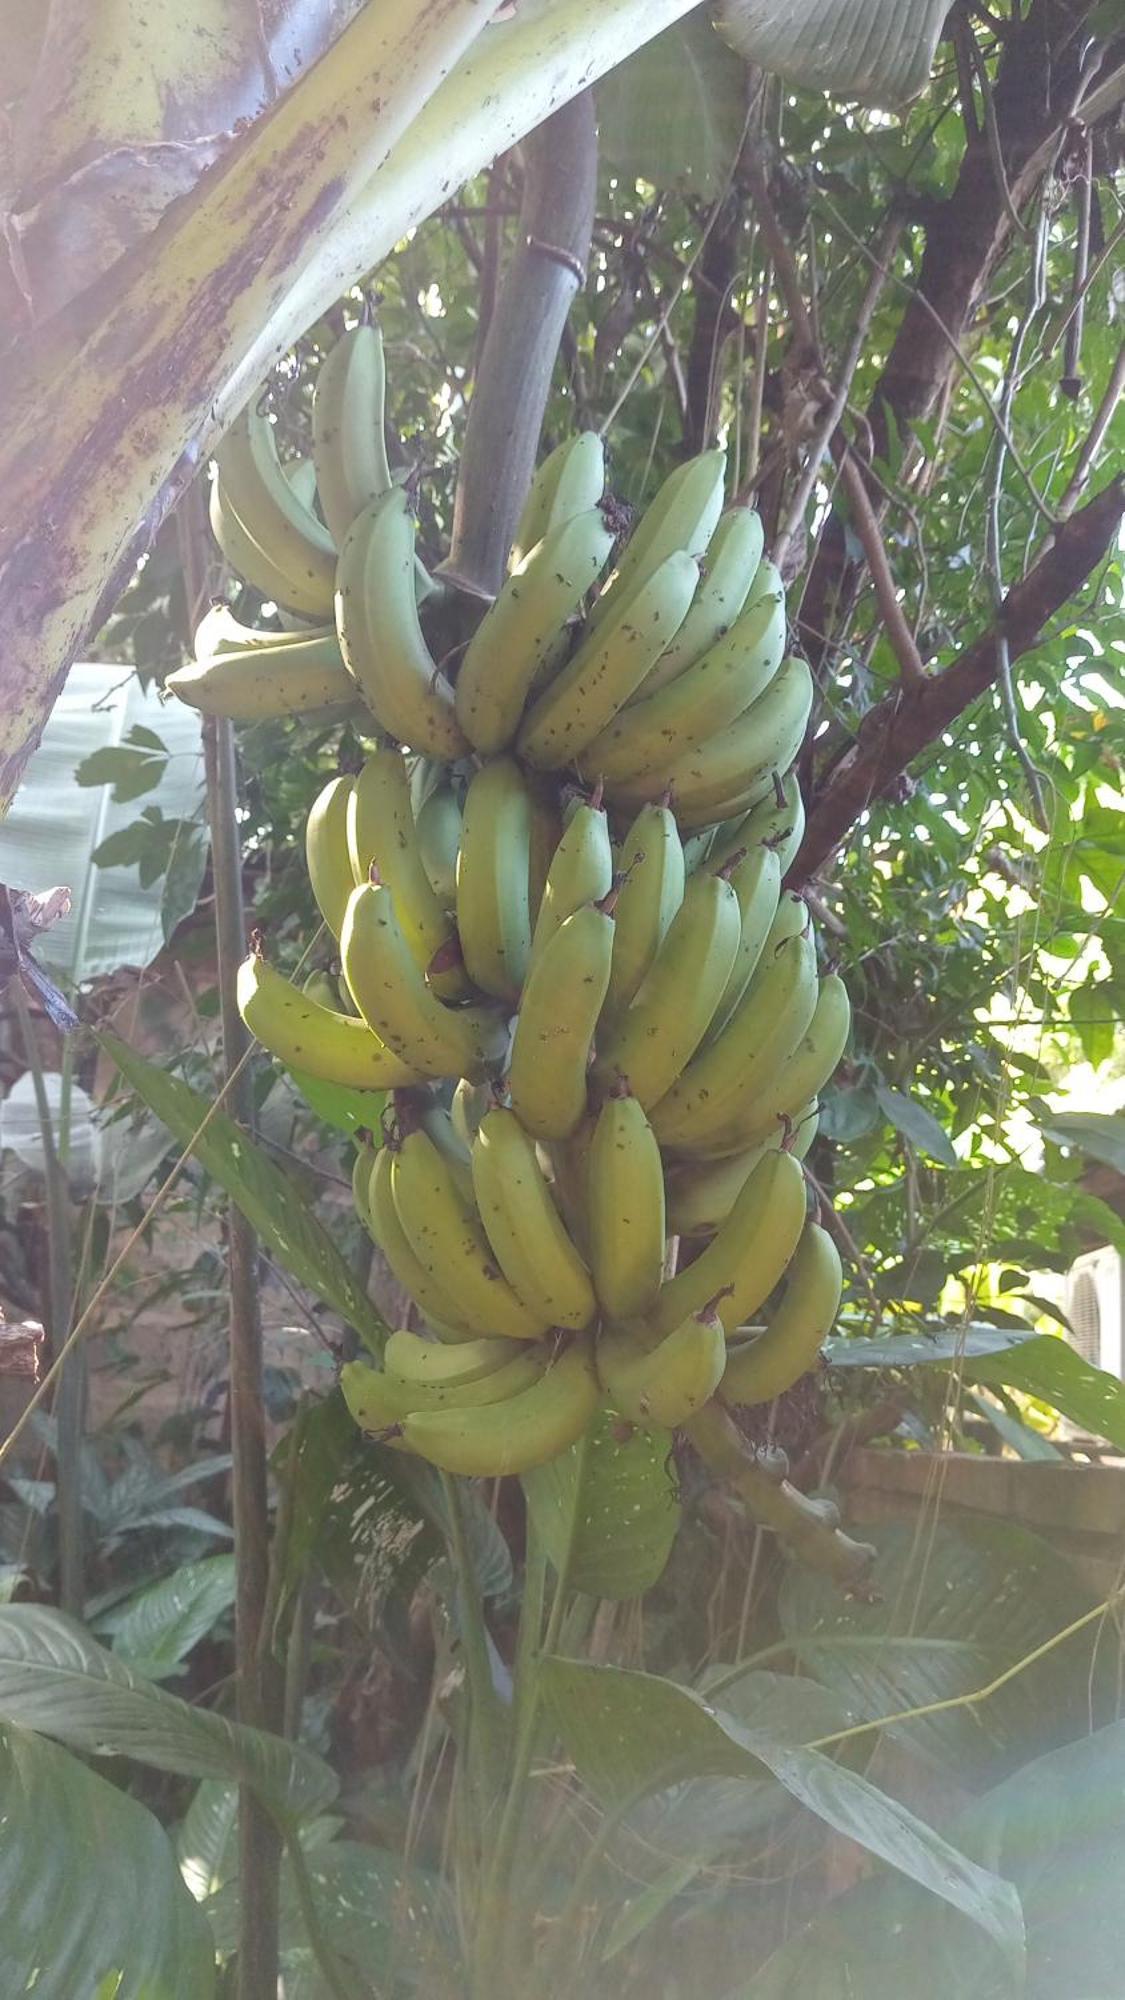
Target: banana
<point>381,831</point>
<point>608,665</point>
<point>674,1003</point>
<point>467,1107</point>
<point>301,474</point>
<point>374,1194</point>
<point>379,1401</point>
<point>681,516</point>
<point>625,1209</point>
<point>381,638</point>
<point>347,427</point>
<point>527,630</point>
<point>438,824</point>
<point>326,850</point>
<point>321,987</point>
<point>438,1125</point>
<point>702,700</point>
<point>493,879</point>
<point>759,1370</point>
<point>756,881</point>
<point>219,631</point>
<point>666,1383</point>
<point>388,988</point>
<point>445,1234</point>
<point>555,1024</point>
<point>522,1432</point>
<point>746,1257</point>
<point>732,562</point>
<point>252,565</point>
<point>570,481</point>
<point>652,863</point>
<point>701,1193</point>
<point>304,1035</point>
<point>580,872</point>
<point>811,1064</point>
<point>775,823</point>
<point>273,515</point>
<point>523,1227</point>
<point>294,676</point>
<point>410,1359</point>
<point>731,1072</point>
<point>708,778</point>
<point>708,815</point>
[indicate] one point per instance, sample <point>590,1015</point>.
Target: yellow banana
<point>775,823</point>
<point>523,1226</point>
<point>349,450</point>
<point>375,1202</point>
<point>748,1254</point>
<point>652,865</point>
<point>671,1011</point>
<point>219,631</point>
<point>410,1358</point>
<point>445,1233</point>
<point>389,989</point>
<point>382,640</point>
<point>253,566</point>
<point>273,515</point>
<point>703,699</point>
<point>555,1024</point>
<point>811,1064</point>
<point>379,1401</point>
<point>527,629</point>
<point>321,987</point>
<point>607,667</point>
<point>438,822</point>
<point>709,814</point>
<point>295,676</point>
<point>304,1035</point>
<point>493,879</point>
<point>756,881</point>
<point>381,832</point>
<point>731,1071</point>
<point>570,481</point>
<point>522,1432</point>
<point>681,516</point>
<point>326,851</point>
<point>581,870</point>
<point>738,762</point>
<point>701,1193</point>
<point>758,1370</point>
<point>731,566</point>
<point>665,1383</point>
<point>625,1209</point>
<point>438,1124</point>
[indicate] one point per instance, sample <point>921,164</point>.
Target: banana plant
<point>116,405</point>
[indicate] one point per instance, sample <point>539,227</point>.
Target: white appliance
<point>1095,1306</point>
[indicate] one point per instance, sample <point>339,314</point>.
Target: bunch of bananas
<point>564,949</point>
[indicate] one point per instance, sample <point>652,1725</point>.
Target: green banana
<point>758,1370</point>
<point>527,630</point>
<point>467,1107</point>
<point>682,516</point>
<point>625,1209</point>
<point>732,562</point>
<point>445,1233</point>
<point>438,823</point>
<point>732,1071</point>
<point>493,879</point>
<point>608,665</point>
<point>248,561</point>
<point>437,1123</point>
<point>379,1401</point>
<point>701,1193</point>
<point>326,850</point>
<point>672,1009</point>
<point>304,1035</point>
<point>702,700</point>
<point>381,832</point>
<point>811,1064</point>
<point>523,1227</point>
<point>748,1254</point>
<point>756,881</point>
<point>219,631</point>
<point>411,1359</point>
<point>555,1024</point>
<point>381,638</point>
<point>349,449</point>
<point>569,482</point>
<point>581,870</point>
<point>666,1383</point>
<point>273,515</point>
<point>388,988</point>
<point>738,762</point>
<point>321,987</point>
<point>294,676</point>
<point>774,823</point>
<point>520,1433</point>
<point>375,1202</point>
<point>652,889</point>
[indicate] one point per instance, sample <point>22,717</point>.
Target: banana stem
<point>485,1744</point>
<point>795,1519</point>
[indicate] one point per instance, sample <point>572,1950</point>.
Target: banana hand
<point>522,1432</point>
<point>387,986</point>
<point>748,1255</point>
<point>274,516</point>
<point>665,1383</point>
<point>304,1035</point>
<point>760,1369</point>
<point>382,640</point>
<point>445,1233</point>
<point>732,563</point>
<point>523,1226</point>
<point>672,1010</point>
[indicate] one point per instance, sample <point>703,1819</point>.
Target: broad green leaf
<point>276,1209</point>
<point>91,1901</point>
<point>629,1733</point>
<point>952,1613</point>
<point>156,1628</point>
<point>54,826</point>
<point>349,1111</point>
<point>628,1504</point>
<point>674,113</point>
<point>1026,1443</point>
<point>58,1681</point>
<point>941,1346</point>
<point>131,770</point>
<point>207,1837</point>
<point>916,1124</point>
<point>876,49</point>
<point>1049,1369</point>
<point>1100,1134</point>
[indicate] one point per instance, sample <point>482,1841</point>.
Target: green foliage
<point>628,1512</point>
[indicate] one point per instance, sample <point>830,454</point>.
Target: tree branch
<point>906,721</point>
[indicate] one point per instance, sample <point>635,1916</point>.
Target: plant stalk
<point>485,1745</point>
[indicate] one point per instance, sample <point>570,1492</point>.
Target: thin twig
<point>1087,457</point>
<point>911,671</point>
